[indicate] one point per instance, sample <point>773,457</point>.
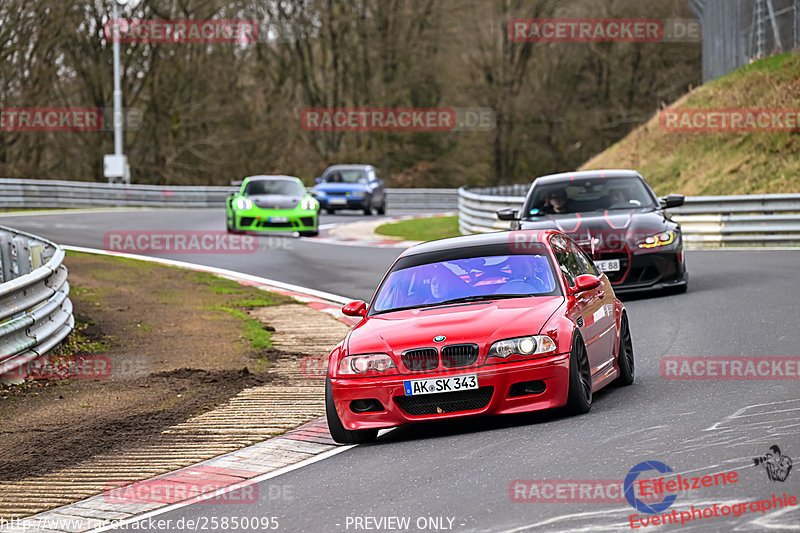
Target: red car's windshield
<point>471,278</point>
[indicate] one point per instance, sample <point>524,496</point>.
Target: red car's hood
<point>481,323</point>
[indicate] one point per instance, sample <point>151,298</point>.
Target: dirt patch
<point>179,343</point>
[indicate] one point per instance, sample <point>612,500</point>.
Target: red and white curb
<point>231,478</point>
<point>228,478</point>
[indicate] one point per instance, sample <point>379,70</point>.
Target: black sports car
<point>616,218</point>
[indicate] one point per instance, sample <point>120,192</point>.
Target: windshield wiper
<point>483,297</point>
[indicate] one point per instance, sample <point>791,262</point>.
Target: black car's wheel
<point>338,431</point>
<point>382,208</point>
<point>312,233</point>
<point>625,358</point>
<point>330,211</point>
<point>579,397</point>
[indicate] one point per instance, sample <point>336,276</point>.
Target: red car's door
<point>592,310</point>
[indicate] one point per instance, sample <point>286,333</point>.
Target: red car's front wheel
<point>579,397</point>
<point>338,431</point>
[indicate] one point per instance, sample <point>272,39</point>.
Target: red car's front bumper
<point>553,371</point>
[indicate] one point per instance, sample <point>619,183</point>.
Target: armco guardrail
<point>35,194</point>
<point>35,310</point>
<point>752,220</point>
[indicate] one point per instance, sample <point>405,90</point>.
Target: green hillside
<point>711,163</point>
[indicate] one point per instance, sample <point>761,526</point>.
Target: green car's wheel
<point>312,233</point>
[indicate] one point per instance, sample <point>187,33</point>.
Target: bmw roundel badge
<point>439,338</point>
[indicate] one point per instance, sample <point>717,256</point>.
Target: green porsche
<point>273,203</point>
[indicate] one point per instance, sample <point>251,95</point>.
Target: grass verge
<point>712,163</point>
<point>422,229</point>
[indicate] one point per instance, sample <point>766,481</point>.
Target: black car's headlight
<point>659,239</point>
<point>530,345</point>
<point>359,364</point>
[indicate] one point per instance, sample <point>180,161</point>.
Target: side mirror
<point>318,180</point>
<point>585,282</point>
<point>672,200</point>
<point>508,213</point>
<point>357,308</point>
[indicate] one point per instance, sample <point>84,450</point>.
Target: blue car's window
<point>283,187</point>
<point>345,176</point>
<point>468,278</point>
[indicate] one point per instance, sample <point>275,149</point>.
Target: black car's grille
<point>421,359</point>
<point>459,355</point>
<point>447,402</point>
<point>647,274</point>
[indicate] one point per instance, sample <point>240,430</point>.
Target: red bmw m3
<point>488,324</point>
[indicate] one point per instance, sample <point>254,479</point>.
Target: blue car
<point>351,187</point>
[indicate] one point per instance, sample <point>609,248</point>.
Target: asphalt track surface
<point>456,476</point>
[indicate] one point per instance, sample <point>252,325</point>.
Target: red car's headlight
<point>530,345</point>
<point>360,364</point>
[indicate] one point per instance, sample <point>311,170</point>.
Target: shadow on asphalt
<point>453,427</point>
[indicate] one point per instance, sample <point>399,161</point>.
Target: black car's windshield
<point>345,176</point>
<point>283,187</point>
<point>465,280</point>
<point>589,195</point>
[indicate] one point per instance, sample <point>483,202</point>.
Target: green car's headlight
<point>531,345</point>
<point>243,204</point>
<point>309,204</point>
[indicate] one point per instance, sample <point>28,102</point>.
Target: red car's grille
<point>421,359</point>
<point>447,402</point>
<point>459,355</point>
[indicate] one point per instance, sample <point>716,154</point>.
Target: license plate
<point>337,201</point>
<point>608,265</point>
<point>439,385</point>
<point>277,219</point>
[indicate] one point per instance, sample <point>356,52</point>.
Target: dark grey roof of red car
<point>452,243</point>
